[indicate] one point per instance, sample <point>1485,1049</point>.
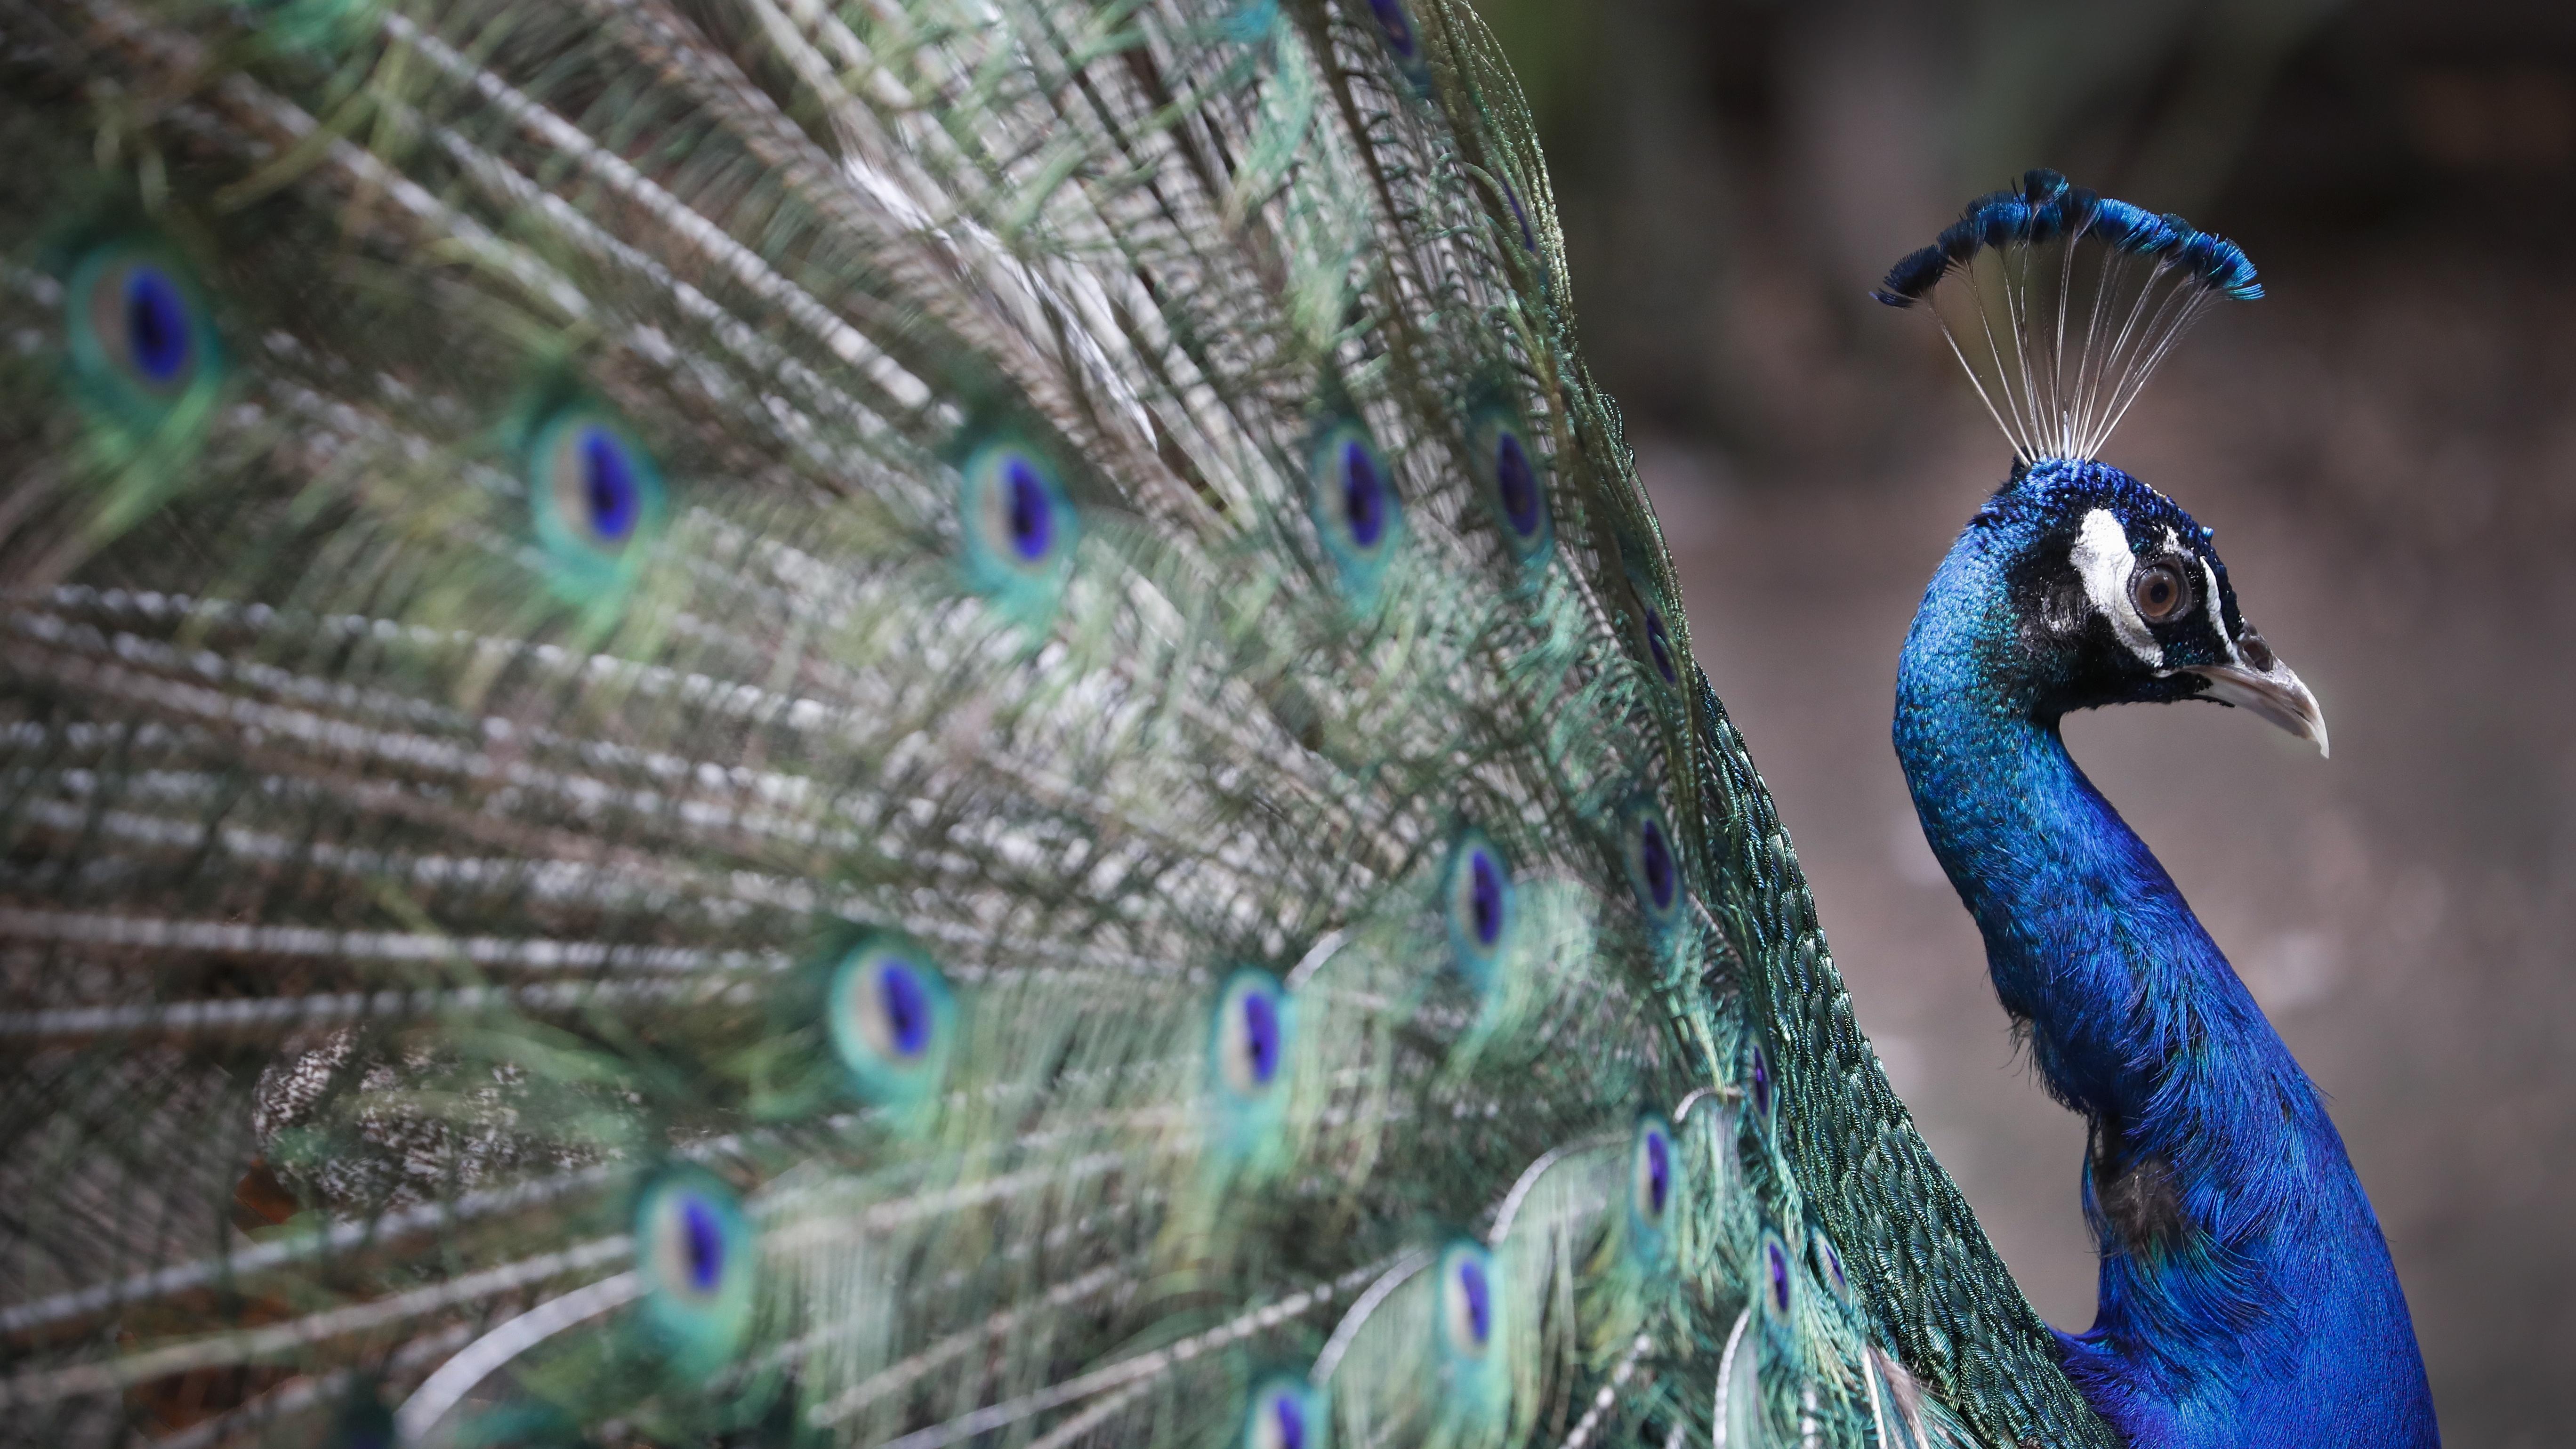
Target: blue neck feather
<point>2246,1293</point>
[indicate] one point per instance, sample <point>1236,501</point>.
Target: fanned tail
<point>883,724</point>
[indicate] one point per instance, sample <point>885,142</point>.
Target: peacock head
<point>2112,594</point>
<point>2081,585</point>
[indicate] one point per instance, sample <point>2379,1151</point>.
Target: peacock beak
<point>2265,685</point>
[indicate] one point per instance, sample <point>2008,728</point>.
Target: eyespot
<point>1286,1413</point>
<point>597,497</point>
<point>140,337</point>
<point>694,1252</point>
<point>1019,528</point>
<point>1251,1031</point>
<point>1758,1086</point>
<point>1471,1324</point>
<point>1654,872</point>
<point>2160,591</point>
<point>1775,1286</point>
<point>1351,496</point>
<point>1511,475</point>
<point>1469,1305</point>
<point>1403,42</point>
<point>1477,897</point>
<point>891,1020</point>
<point>1659,646</point>
<point>1654,634</point>
<point>1828,1262</point>
<point>1651,1168</point>
<point>1252,1041</point>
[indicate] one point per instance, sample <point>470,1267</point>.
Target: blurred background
<point>2386,445</point>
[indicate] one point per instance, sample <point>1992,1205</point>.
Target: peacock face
<point>2119,598</point>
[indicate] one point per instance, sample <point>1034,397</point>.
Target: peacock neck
<point>2210,1150</point>
<point>2090,944</point>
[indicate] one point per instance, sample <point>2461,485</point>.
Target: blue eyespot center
<point>907,1008</point>
<point>1252,1035</point>
<point>1834,1267</point>
<point>698,1260</point>
<point>1261,1035</point>
<point>892,1022</point>
<point>1777,1258</point>
<point>1655,858</point>
<point>1032,515</point>
<point>704,1245</point>
<point>1659,1172</point>
<point>156,324</point>
<point>608,485</point>
<point>1291,1419</point>
<point>596,499</point>
<point>1357,515</point>
<point>1761,1083</point>
<point>1397,25</point>
<point>1478,1296</point>
<point>1517,484</point>
<point>1485,898</point>
<point>1363,495</point>
<point>1660,646</point>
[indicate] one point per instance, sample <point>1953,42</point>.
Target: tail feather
<point>886,723</point>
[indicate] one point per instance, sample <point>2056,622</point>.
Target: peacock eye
<point>2160,591</point>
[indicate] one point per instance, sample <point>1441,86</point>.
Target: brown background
<point>2386,445</point>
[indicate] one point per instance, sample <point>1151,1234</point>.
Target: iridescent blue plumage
<point>2247,1296</point>
<point>2045,208</point>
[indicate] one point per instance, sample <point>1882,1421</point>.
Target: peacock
<point>798,722</point>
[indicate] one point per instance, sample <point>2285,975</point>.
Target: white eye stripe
<point>2102,559</point>
<point>2217,619</point>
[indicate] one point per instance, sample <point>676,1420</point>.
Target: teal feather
<point>769,722</point>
